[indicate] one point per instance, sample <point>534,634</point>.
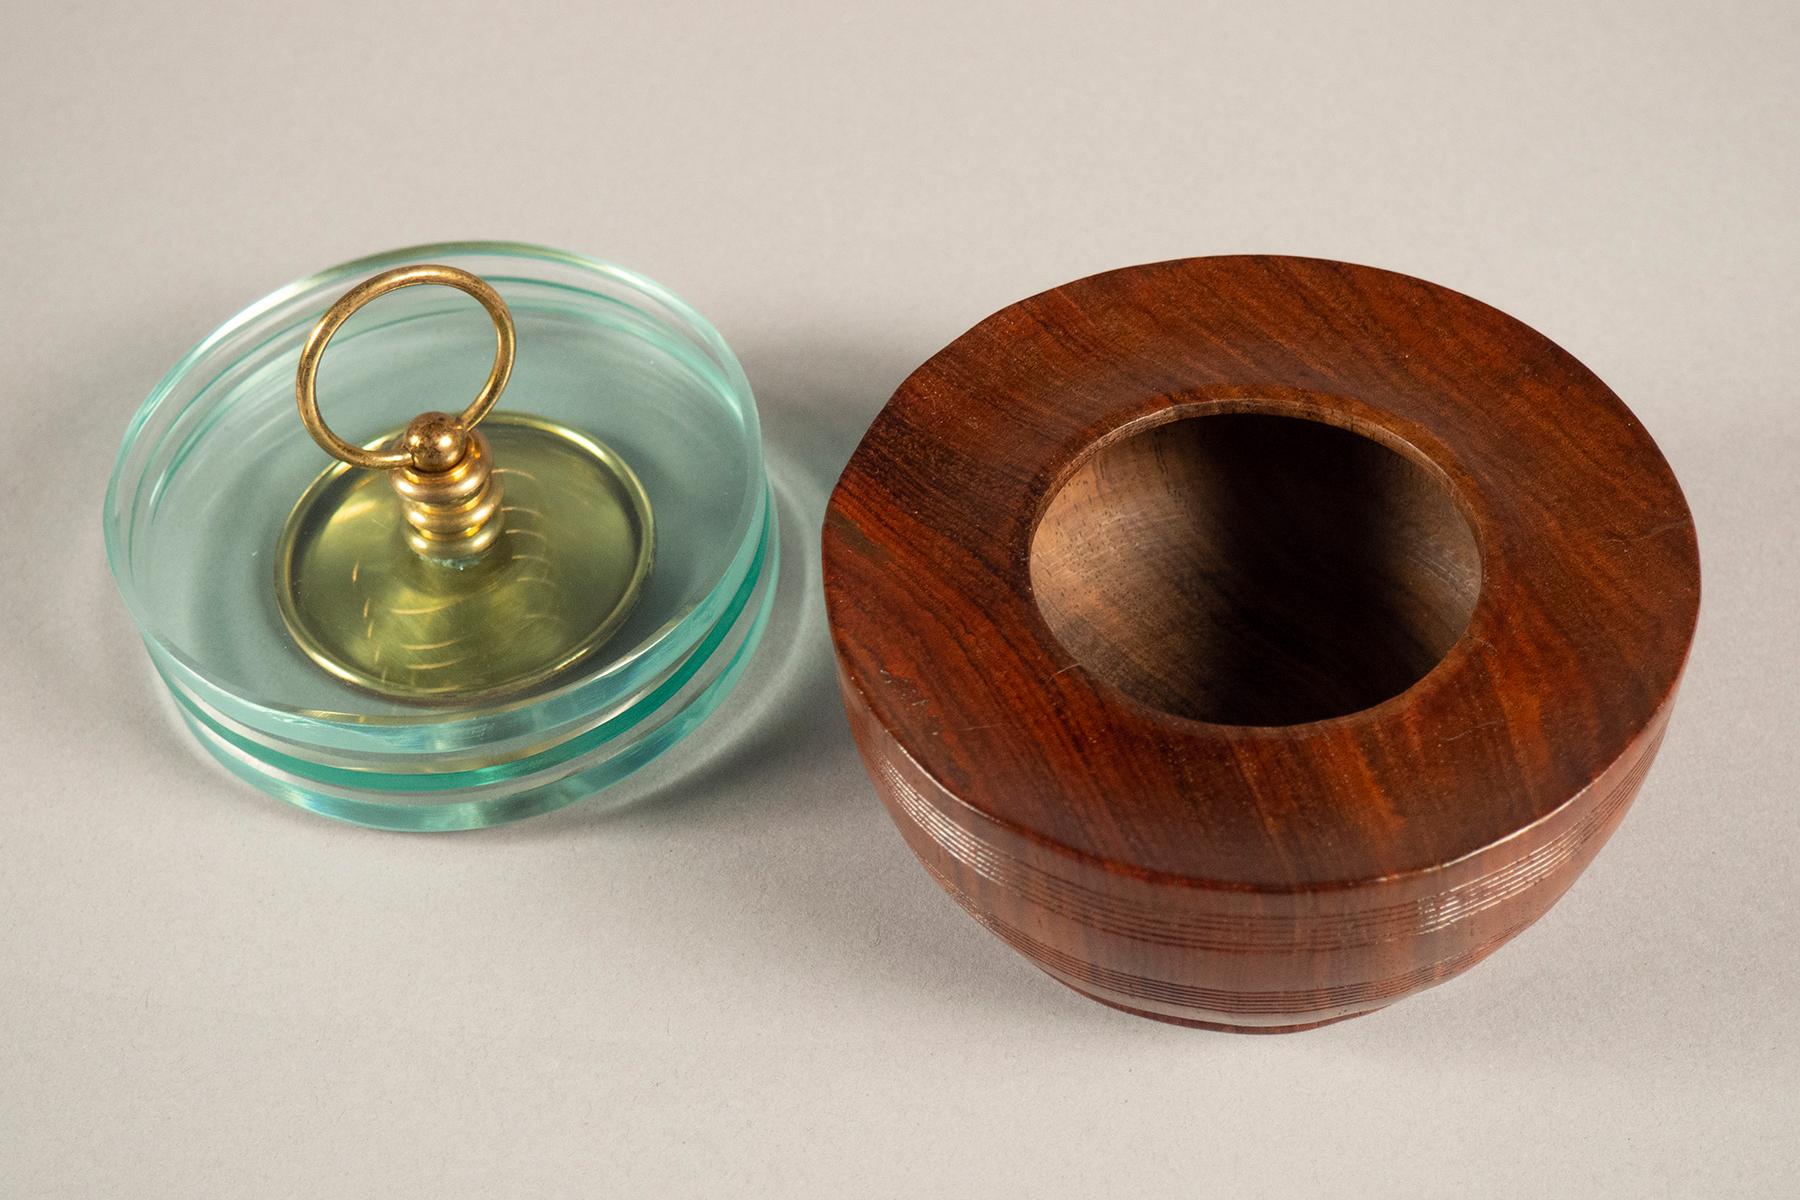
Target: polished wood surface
<point>1254,641</point>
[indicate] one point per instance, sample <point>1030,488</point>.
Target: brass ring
<point>306,379</point>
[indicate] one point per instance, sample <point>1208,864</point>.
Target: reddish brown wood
<point>1254,641</point>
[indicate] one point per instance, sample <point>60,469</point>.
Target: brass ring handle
<point>306,379</point>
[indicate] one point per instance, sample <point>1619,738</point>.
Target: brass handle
<point>306,379</point>
<point>442,468</point>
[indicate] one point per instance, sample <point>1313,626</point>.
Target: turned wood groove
<point>1251,642</point>
<point>1250,932</point>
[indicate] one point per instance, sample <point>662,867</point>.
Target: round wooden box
<point>1251,642</point>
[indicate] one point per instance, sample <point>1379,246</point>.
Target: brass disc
<point>571,559</point>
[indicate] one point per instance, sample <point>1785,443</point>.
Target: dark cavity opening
<point>1247,569</point>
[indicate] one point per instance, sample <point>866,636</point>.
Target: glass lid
<point>318,655</point>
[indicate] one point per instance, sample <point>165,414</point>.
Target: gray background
<point>743,985</point>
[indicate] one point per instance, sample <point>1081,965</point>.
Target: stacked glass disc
<point>219,496</point>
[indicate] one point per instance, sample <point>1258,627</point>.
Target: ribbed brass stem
<point>452,515</point>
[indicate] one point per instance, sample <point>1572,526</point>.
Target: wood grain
<point>1251,642</point>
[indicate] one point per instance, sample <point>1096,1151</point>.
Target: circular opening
<point>1247,569</point>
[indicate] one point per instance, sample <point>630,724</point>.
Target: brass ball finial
<point>435,441</point>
